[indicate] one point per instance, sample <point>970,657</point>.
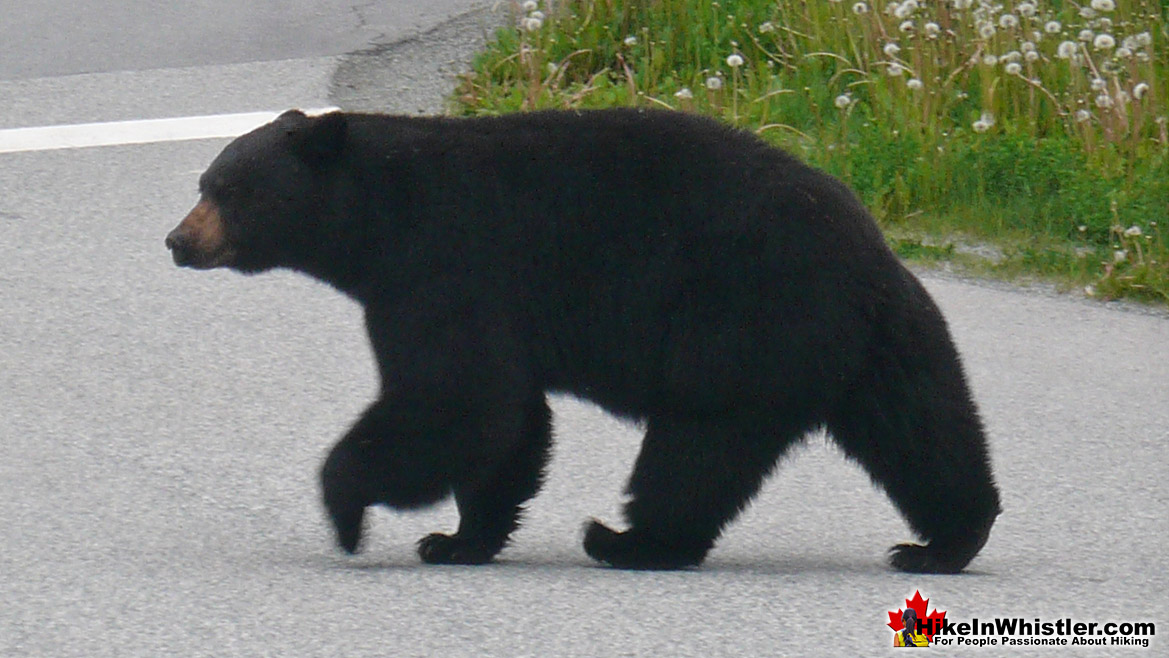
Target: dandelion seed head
<point>1099,84</point>
<point>990,59</point>
<point>1087,12</point>
<point>891,49</point>
<point>1103,42</point>
<point>1144,39</point>
<point>1083,115</point>
<point>734,60</point>
<point>903,10</point>
<point>860,8</point>
<point>1124,53</point>
<point>1026,9</point>
<point>1027,47</point>
<point>630,41</point>
<point>1119,256</point>
<point>931,30</point>
<point>914,84</point>
<point>768,26</point>
<point>894,69</point>
<point>1139,91</point>
<point>1133,231</point>
<point>1008,21</point>
<point>842,101</point>
<point>1086,35</point>
<point>537,15</point>
<point>1143,56</point>
<point>906,26</point>
<point>714,83</point>
<point>1031,56</point>
<point>531,24</point>
<point>1104,101</point>
<point>531,5</point>
<point>980,126</point>
<point>962,4</point>
<point>684,94</point>
<point>1103,6</point>
<point>1012,56</point>
<point>986,30</point>
<point>1014,68</point>
<point>1066,49</point>
<point>1052,27</point>
<point>1103,23</point>
<point>891,8</point>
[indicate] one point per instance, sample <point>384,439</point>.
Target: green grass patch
<point>1037,126</point>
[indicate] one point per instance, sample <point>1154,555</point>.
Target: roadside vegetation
<point>1017,138</point>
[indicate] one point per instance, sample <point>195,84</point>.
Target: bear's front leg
<point>491,493</point>
<point>392,456</point>
<point>460,413</point>
<point>408,454</point>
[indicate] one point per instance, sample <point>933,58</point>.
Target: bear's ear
<point>317,139</point>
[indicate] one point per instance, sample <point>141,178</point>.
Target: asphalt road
<point>160,429</point>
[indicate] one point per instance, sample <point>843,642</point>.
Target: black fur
<point>669,268</point>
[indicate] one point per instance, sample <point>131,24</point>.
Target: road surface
<point>161,429</point>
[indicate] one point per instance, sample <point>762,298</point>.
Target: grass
<point>1037,126</point>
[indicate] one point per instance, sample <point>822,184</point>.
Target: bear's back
<point>631,248</point>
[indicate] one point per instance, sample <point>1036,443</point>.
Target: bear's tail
<point>910,421</point>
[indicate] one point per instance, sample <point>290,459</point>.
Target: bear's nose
<point>175,240</point>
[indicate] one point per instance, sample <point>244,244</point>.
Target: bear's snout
<point>198,241</point>
<point>179,244</point>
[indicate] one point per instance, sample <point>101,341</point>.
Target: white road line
<point>145,131</point>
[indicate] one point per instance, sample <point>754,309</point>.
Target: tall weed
<point>1044,119</point>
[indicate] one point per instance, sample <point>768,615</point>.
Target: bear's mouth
<point>196,260</point>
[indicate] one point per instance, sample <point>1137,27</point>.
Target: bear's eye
<point>223,191</point>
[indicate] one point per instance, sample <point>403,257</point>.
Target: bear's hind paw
<point>633,550</point>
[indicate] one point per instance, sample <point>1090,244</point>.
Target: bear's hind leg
<point>693,477</point>
<point>490,500</point>
<point>923,443</point>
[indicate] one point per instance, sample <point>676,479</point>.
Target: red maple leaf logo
<point>930,624</point>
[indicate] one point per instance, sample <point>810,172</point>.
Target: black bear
<point>670,268</point>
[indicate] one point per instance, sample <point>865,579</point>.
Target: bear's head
<point>264,200</point>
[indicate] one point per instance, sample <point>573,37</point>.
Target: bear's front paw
<point>915,558</point>
<point>438,548</point>
<point>347,516</point>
